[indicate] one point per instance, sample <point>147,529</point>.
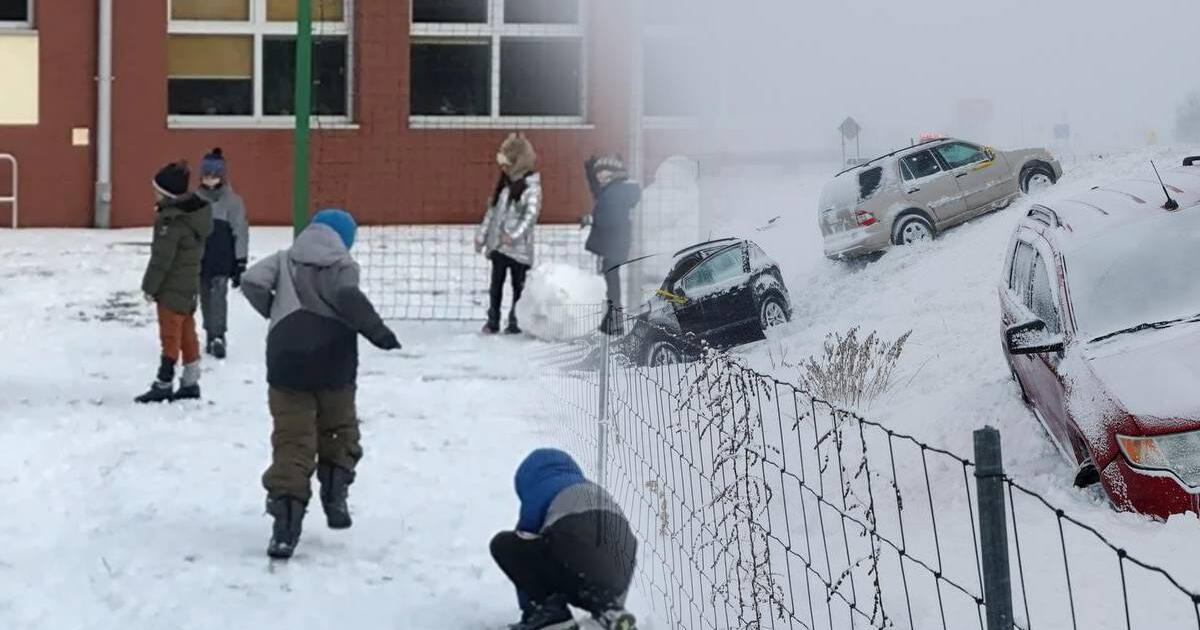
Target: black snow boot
<point>335,489</point>
<point>551,614</point>
<point>493,322</point>
<point>289,518</point>
<point>216,346</point>
<point>161,390</point>
<point>159,393</point>
<point>513,328</point>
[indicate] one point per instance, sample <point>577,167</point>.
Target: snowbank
<point>550,290</point>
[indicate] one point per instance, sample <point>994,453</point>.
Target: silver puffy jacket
<point>516,218</point>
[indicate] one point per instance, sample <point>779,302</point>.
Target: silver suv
<point>913,194</point>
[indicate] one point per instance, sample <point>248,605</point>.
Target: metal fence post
<point>602,412</point>
<point>993,530</point>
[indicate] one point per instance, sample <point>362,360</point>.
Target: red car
<point>1101,310</point>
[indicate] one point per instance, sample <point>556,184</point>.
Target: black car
<point>721,294</point>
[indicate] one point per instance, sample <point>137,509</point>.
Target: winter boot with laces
<point>189,383</point>
<point>335,489</point>
<point>289,518</point>
<point>551,614</point>
<point>161,390</point>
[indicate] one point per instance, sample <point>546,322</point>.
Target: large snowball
<point>556,298</point>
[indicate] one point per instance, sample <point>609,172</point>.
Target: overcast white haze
<point>1114,70</point>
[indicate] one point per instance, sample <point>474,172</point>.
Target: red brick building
<point>411,99</point>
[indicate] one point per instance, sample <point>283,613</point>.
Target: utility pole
<point>300,198</point>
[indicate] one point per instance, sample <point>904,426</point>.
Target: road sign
<point>850,128</point>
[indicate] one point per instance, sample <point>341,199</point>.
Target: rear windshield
<point>869,182</point>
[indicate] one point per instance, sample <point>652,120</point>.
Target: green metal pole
<point>300,199</point>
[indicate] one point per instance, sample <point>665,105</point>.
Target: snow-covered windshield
<point>1139,273</point>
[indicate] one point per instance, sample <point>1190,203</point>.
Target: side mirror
<point>1032,337</point>
<point>990,152</point>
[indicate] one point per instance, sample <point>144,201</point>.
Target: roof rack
<point>697,246</point>
<point>1189,161</point>
<point>1045,216</point>
<point>887,155</point>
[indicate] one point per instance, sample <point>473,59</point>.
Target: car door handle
<point>961,175</point>
<point>915,190</point>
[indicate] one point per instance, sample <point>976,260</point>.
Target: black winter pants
<point>501,266</point>
<point>587,557</point>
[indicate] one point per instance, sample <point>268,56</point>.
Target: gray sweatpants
<point>214,305</point>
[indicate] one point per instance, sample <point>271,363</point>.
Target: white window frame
<point>23,25</point>
<point>259,28</point>
<point>495,30</point>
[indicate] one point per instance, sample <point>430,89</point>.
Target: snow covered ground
<point>120,516</point>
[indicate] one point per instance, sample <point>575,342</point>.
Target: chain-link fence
<point>432,272</point>
<point>758,505</point>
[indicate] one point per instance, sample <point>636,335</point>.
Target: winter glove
<point>384,339</point>
<point>149,298</point>
<point>238,269</point>
<point>585,221</point>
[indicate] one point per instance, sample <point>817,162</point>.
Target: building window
<point>233,62</point>
<point>16,13</point>
<point>497,63</point>
<point>672,61</point>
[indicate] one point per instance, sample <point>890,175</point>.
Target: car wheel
<point>1035,179</point>
<point>772,313</point>
<point>911,229</point>
<point>662,353</point>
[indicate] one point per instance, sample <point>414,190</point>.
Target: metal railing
<point>12,199</point>
<point>759,505</point>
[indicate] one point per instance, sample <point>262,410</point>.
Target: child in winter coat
<point>225,252</point>
<point>572,547</point>
<point>172,280</point>
<point>506,233</point>
<point>310,293</point>
<point>612,227</point>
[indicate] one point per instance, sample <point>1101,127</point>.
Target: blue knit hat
<point>340,221</point>
<point>213,164</point>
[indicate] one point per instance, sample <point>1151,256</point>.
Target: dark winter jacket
<point>181,228</point>
<point>310,292</point>
<point>230,238</point>
<point>612,219</point>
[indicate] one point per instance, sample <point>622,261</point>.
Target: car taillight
<point>865,218</point>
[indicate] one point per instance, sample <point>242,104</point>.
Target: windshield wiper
<point>1153,325</point>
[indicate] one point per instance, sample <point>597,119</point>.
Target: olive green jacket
<point>180,230</point>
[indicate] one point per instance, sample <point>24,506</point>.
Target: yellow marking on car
<point>672,298</point>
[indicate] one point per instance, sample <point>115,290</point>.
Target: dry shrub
<point>852,372</point>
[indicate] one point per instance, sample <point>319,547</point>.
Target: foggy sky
<point>1115,70</point>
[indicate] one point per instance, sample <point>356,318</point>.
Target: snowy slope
<point>952,377</point>
<point>128,517</point>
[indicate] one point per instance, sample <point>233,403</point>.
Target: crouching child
<point>310,293</point>
<point>572,547</point>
